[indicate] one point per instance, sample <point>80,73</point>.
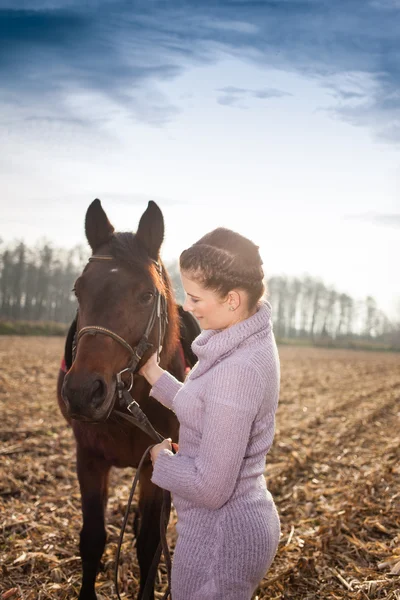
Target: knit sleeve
<point>231,405</point>
<point>165,389</point>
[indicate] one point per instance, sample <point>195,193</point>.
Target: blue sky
<point>278,119</point>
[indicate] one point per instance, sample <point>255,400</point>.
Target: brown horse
<point>116,293</point>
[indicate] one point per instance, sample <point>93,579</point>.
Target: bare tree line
<point>305,308</point>
<point>36,283</point>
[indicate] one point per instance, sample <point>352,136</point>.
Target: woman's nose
<point>186,306</point>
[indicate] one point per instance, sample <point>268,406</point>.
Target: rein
<point>138,418</point>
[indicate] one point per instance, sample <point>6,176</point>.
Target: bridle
<point>158,315</point>
<point>137,417</point>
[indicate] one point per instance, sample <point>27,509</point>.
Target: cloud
<point>240,27</point>
<point>119,51</point>
<point>270,93</point>
<point>230,100</point>
<point>230,89</point>
<point>232,96</point>
<point>51,57</point>
<point>386,220</point>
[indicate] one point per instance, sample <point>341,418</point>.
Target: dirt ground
<point>334,471</point>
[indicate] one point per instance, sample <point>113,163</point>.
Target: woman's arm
<point>208,480</point>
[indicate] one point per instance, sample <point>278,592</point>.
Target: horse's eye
<point>146,298</point>
<point>77,287</point>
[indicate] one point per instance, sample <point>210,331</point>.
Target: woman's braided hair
<point>224,260</point>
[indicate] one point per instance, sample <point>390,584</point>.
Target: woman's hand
<point>151,370</point>
<point>167,444</point>
<point>155,451</point>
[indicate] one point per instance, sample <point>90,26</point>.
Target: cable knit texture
<point>228,527</point>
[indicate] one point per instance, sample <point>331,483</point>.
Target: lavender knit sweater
<point>228,527</point>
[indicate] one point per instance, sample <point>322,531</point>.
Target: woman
<point>228,527</point>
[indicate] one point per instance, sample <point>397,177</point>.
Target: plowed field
<point>334,471</point>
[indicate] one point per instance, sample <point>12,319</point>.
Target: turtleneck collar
<point>214,344</point>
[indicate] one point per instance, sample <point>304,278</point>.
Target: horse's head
<point>116,292</point>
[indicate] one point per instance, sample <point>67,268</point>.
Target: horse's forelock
<point>126,248</point>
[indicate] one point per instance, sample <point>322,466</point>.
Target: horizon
<point>172,263</point>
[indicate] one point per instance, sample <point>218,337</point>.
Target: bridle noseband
<point>159,314</point>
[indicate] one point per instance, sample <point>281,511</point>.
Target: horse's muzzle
<point>87,397</point>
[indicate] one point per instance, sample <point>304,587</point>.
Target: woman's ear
<point>234,299</point>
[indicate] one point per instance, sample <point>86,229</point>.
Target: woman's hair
<point>224,260</point>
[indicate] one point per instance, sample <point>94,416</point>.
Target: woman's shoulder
<point>259,361</point>
<point>259,354</point>
<point>235,384</point>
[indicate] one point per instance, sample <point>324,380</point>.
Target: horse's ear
<point>98,228</point>
<point>151,229</point>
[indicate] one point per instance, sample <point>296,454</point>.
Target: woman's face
<point>207,306</point>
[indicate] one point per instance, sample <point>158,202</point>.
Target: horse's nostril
<point>98,392</point>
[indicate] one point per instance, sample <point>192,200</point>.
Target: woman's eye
<point>147,297</point>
